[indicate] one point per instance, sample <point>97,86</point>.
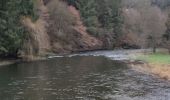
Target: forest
<point>127,24</point>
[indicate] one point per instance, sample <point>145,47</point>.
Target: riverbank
<point>157,64</point>
<point>4,62</point>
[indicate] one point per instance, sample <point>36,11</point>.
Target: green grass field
<point>156,58</point>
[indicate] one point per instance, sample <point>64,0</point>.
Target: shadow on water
<point>78,78</point>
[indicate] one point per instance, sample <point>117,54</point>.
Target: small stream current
<point>98,75</point>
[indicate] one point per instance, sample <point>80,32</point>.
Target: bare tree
<point>154,26</point>
<point>145,20</point>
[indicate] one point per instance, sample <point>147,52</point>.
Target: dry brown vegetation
<point>37,42</point>
<point>67,31</point>
<point>159,70</point>
<point>58,29</point>
<point>145,20</point>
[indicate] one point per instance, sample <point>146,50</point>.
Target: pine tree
<point>11,30</point>
<point>88,12</point>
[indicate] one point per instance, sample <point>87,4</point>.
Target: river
<point>98,75</point>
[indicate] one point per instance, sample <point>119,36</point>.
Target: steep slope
<point>68,29</point>
<point>59,29</point>
<point>89,41</point>
<point>37,41</point>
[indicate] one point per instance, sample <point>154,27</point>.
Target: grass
<point>158,64</point>
<point>157,58</point>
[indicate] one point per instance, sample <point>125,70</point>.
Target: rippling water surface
<point>79,78</point>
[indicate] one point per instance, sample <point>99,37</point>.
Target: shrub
<point>93,31</point>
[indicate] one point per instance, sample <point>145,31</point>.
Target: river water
<point>87,76</point>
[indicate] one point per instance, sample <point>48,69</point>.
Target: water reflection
<point>78,78</point>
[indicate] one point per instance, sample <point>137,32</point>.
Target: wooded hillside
<point>79,25</point>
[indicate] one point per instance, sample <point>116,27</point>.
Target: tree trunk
<point>154,49</point>
<point>169,51</point>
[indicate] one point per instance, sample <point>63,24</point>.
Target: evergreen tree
<point>102,17</point>
<point>89,16</point>
<point>11,31</point>
<point>88,12</point>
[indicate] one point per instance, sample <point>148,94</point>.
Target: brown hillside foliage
<point>145,20</point>
<point>59,29</point>
<point>37,41</point>
<point>67,31</point>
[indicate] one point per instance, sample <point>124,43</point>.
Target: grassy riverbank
<point>157,64</point>
<point>157,58</point>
